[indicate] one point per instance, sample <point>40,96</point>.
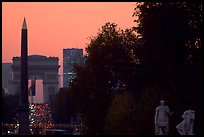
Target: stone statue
<point>186,126</point>
<point>162,119</point>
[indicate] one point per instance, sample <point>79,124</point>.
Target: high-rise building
<point>71,57</point>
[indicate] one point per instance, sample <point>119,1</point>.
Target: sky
<point>54,26</point>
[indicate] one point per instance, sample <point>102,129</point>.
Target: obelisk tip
<point>24,24</point>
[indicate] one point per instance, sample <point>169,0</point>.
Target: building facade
<point>71,58</point>
<point>40,67</point>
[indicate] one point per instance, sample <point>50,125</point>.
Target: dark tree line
<point>10,104</point>
<point>170,37</point>
<point>107,69</point>
<point>63,107</point>
<point>134,71</point>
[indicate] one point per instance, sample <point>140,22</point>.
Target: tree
<point>169,32</point>
<point>10,104</point>
<point>63,106</point>
<point>120,119</point>
<point>170,50</point>
<point>108,67</point>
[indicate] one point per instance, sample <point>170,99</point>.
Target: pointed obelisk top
<point>24,24</point>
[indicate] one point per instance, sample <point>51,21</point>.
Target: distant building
<point>6,77</point>
<point>71,57</point>
<point>39,67</point>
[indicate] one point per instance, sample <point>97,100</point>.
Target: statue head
<point>162,102</point>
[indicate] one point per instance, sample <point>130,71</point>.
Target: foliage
<point>161,61</point>
<point>10,104</point>
<point>63,106</point>
<point>110,57</point>
<point>120,119</point>
<point>170,32</point>
<point>170,50</point>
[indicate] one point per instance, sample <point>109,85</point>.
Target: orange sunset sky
<point>53,26</point>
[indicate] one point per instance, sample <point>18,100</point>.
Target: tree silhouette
<point>170,49</point>
<point>63,106</point>
<point>107,69</point>
<point>120,119</point>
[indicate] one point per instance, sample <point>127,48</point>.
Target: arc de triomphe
<point>42,67</point>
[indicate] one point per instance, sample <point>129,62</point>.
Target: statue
<point>186,126</point>
<point>162,119</point>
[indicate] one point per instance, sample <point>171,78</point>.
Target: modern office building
<point>71,57</point>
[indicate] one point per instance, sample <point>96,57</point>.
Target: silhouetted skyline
<point>53,27</point>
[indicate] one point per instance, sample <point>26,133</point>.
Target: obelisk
<point>24,104</point>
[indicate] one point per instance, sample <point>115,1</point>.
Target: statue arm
<point>156,116</point>
<point>169,112</point>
